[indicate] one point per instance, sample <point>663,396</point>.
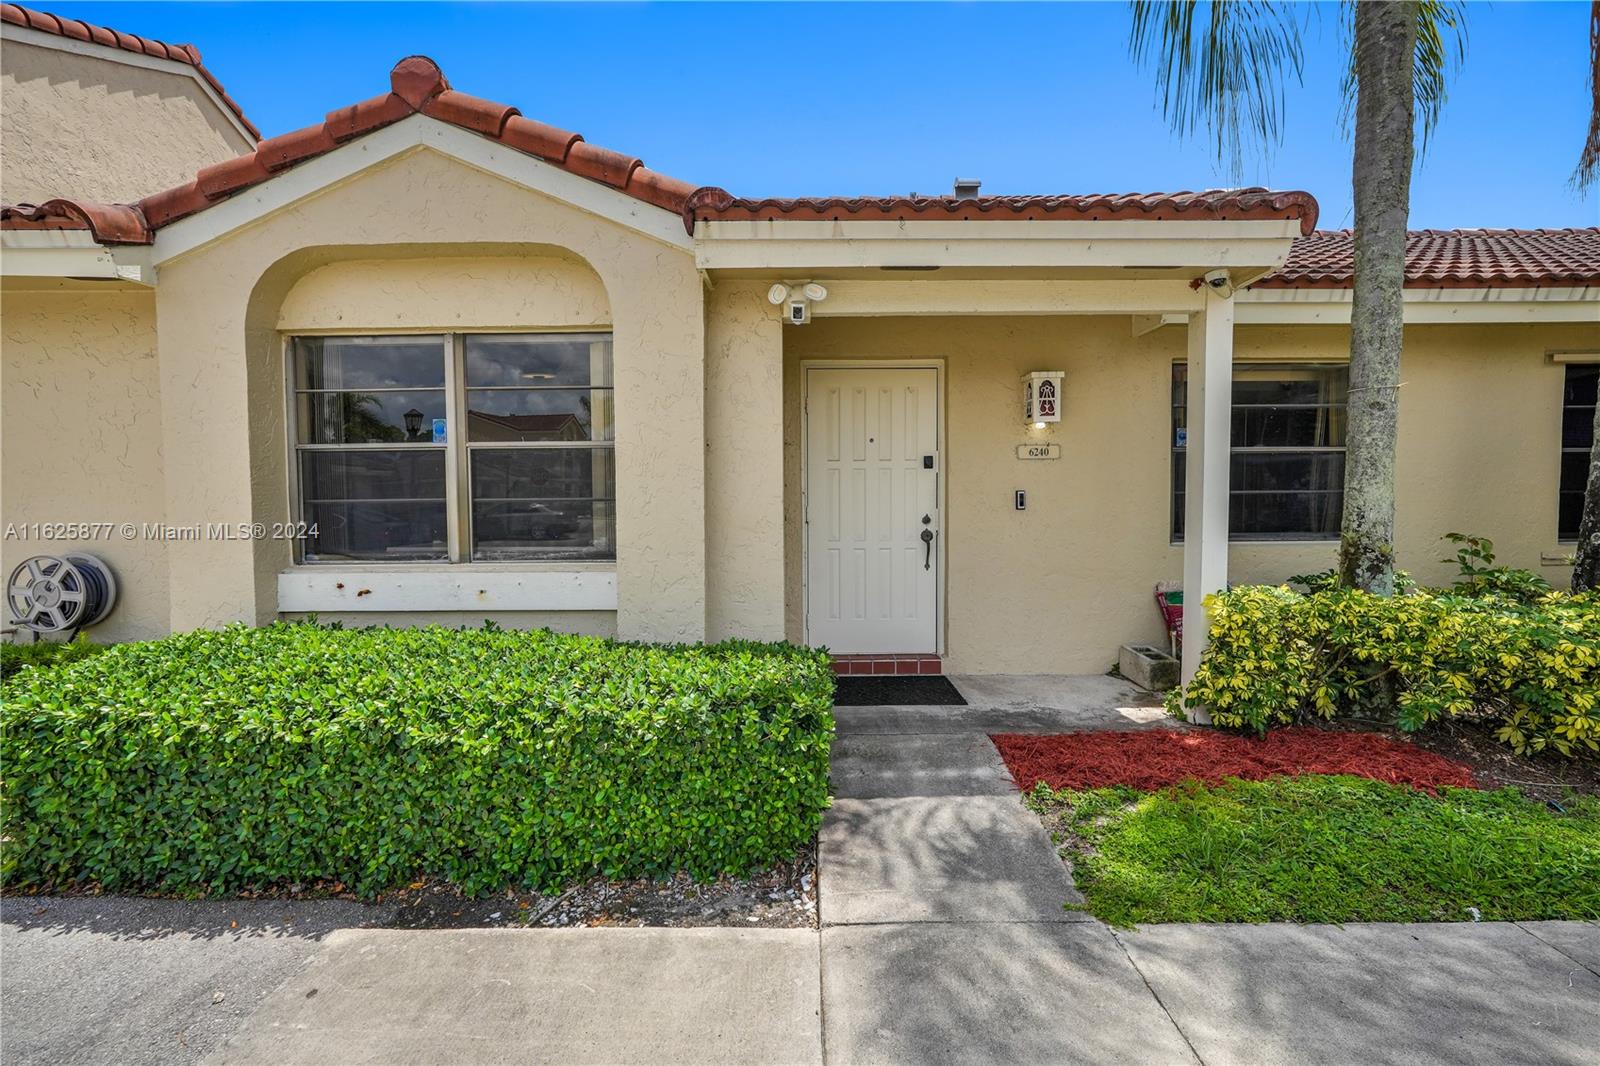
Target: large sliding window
<point>1577,436</point>
<point>466,447</point>
<point>1286,478</point>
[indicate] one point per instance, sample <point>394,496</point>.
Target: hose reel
<point>60,593</point>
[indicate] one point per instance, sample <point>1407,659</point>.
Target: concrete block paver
<point>981,994</point>
<point>881,767</point>
<point>932,859</point>
<point>1461,993</point>
<point>545,996</point>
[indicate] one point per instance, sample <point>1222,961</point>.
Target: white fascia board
<point>1248,247</point>
<point>408,135</point>
<point>859,299</point>
<point>1425,306</point>
<point>40,39</point>
<point>71,254</point>
<point>332,588</point>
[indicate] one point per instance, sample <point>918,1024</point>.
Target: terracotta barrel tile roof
<point>89,33</point>
<point>1459,258</point>
<point>416,87</point>
<point>711,204</point>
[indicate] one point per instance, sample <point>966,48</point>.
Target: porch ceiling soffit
<point>935,296</point>
<point>415,133</point>
<point>1250,248</point>
<point>1425,306</point>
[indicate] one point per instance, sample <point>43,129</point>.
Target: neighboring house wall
<point>81,438</point>
<point>1056,588</point>
<point>222,306</point>
<point>102,129</point>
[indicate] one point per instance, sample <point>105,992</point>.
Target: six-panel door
<point>872,490</point>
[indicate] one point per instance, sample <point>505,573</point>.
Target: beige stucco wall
<point>80,437</point>
<point>745,585</point>
<point>448,293</point>
<point>1056,588</point>
<point>102,129</point>
<point>221,363</point>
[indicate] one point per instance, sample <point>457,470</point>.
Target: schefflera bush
<point>1533,666</point>
<point>224,760</point>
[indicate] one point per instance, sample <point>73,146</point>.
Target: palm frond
<point>1588,168</point>
<point>1221,66</point>
<point>1441,48</point>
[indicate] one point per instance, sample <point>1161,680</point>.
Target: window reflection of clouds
<point>499,362</point>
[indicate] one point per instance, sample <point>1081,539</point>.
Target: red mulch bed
<point>1160,757</point>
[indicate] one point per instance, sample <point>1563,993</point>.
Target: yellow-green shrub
<point>1533,666</point>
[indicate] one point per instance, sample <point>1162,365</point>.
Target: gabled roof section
<point>416,86</point>
<point>1212,205</point>
<point>78,30</point>
<point>1458,258</point>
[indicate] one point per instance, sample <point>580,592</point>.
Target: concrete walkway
<point>944,939</point>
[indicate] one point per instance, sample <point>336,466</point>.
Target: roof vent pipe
<point>967,188</point>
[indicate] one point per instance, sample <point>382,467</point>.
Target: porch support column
<point>1205,523</point>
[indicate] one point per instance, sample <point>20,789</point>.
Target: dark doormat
<point>930,690</point>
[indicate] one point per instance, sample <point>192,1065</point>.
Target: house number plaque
<point>1038,451</point>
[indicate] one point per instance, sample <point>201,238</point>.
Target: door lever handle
<point>927,549</point>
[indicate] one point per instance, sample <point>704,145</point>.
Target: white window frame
<point>457,449</point>
<point>1174,488</point>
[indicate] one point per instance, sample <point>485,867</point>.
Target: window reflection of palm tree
<point>363,421</point>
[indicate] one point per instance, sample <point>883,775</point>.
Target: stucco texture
<point>80,126</point>
<point>81,438</point>
<point>745,552</point>
<point>1058,587</point>
<point>221,306</point>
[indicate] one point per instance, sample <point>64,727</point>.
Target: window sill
<point>389,587</point>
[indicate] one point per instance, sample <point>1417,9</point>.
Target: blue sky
<point>769,99</point>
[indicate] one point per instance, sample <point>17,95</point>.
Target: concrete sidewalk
<point>945,939</point>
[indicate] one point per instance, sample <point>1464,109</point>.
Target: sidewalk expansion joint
<point>1156,996</point>
<point>1556,948</point>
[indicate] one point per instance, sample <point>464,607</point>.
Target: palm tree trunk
<point>1385,41</point>
<point>1586,568</point>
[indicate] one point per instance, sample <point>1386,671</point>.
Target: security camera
<point>799,312</point>
<point>1218,279</point>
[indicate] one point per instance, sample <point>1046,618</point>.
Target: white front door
<point>872,492</point>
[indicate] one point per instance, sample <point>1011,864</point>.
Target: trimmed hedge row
<point>219,761</point>
<point>1532,667</point>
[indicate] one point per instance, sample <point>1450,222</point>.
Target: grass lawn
<point>1325,849</point>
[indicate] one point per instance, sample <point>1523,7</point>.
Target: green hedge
<point>1534,667</point>
<point>218,761</point>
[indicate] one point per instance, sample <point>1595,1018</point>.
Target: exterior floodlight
<point>777,294</point>
<point>814,291</point>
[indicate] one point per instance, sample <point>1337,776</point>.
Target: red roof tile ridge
<point>416,86</point>
<point>1252,203</point>
<point>88,32</point>
<point>107,223</point>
